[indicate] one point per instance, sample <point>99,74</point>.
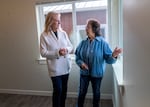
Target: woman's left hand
<point>116,52</point>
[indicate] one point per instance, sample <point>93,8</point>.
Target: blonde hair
<point>49,20</point>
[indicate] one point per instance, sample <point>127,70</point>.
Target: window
<point>73,17</point>
<point>73,20</point>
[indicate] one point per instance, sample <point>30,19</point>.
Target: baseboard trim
<point>49,93</point>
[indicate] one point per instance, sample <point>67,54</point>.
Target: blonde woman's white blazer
<point>49,48</point>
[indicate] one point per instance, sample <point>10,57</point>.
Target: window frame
<point>118,67</point>
<point>41,20</point>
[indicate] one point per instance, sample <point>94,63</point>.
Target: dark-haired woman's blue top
<point>95,54</point>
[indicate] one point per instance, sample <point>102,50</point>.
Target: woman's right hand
<point>84,66</point>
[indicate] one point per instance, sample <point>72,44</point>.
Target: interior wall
<point>19,51</point>
<point>117,93</point>
<point>136,53</point>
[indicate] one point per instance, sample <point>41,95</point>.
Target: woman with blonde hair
<point>55,46</point>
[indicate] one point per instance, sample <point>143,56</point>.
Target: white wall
<point>117,93</point>
<point>19,51</point>
<point>136,53</point>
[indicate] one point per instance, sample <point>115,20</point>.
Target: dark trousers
<point>84,83</point>
<point>59,90</point>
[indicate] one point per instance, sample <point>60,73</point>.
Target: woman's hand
<point>84,66</point>
<point>63,51</point>
<point>116,52</point>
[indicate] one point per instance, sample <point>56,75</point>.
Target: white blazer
<point>49,48</point>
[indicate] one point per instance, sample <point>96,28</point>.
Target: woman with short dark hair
<point>92,55</point>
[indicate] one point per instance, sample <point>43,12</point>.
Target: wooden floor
<point>15,100</point>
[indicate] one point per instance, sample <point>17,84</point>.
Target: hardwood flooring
<point>16,100</point>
